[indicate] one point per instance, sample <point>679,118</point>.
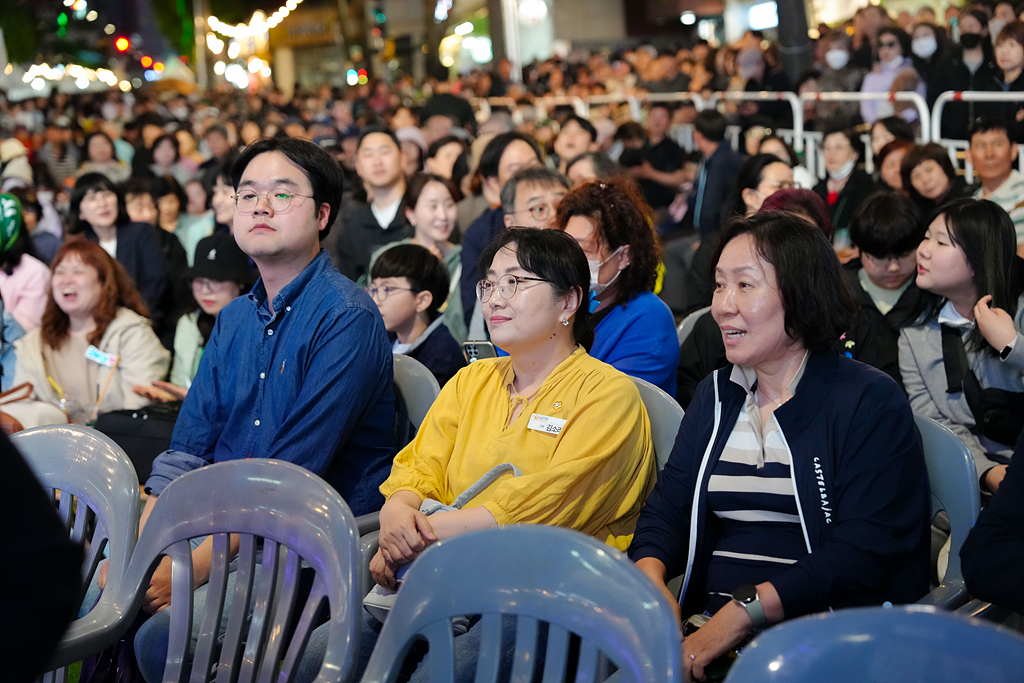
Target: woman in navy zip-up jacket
<point>842,438</point>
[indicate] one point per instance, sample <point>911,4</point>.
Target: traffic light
<point>122,44</point>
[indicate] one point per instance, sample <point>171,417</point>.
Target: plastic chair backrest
<point>687,324</point>
<point>417,385</point>
<point>953,483</point>
<point>665,415</point>
<point>299,518</point>
<point>95,480</point>
<point>560,577</point>
<point>876,645</point>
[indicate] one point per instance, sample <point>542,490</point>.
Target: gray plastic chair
<point>666,416</point>
<point>916,644</point>
<point>299,518</point>
<point>417,385</point>
<point>570,581</point>
<point>687,324</point>
<point>953,482</point>
<point>95,480</point>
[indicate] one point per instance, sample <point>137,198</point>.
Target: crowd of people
<point>252,263</point>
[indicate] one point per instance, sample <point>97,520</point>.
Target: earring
<point>565,321</point>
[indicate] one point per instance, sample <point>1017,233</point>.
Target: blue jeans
<point>151,640</point>
<point>466,648</point>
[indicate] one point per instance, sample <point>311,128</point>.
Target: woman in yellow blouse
<point>575,427</point>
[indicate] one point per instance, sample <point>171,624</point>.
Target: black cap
<point>219,258</point>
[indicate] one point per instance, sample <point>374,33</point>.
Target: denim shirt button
<point>257,423</point>
<point>270,332</point>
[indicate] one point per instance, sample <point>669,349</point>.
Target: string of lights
<point>260,22</point>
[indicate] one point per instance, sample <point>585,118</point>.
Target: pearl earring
<point>565,321</point>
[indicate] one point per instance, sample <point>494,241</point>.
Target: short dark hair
<point>989,124</point>
<point>849,133</point>
<point>216,129</point>
<point>414,187</point>
<point>890,147</point>
<point>897,127</point>
<point>985,233</point>
<point>555,257</point>
<point>490,158</point>
<point>584,124</point>
<point>535,175</point>
<point>370,130</point>
<point>425,272</point>
<point>816,296</point>
<point>323,172</point>
<point>174,143</point>
<point>749,177</point>
<point>1012,31</point>
<point>620,213</point>
<point>901,37</point>
<point>794,158</point>
<point>140,184</point>
<point>711,124</point>
<point>436,146</point>
<point>886,224</point>
<point>918,155</point>
<point>660,105</point>
<point>168,185</point>
<point>85,184</point>
<point>630,130</point>
<point>603,165</point>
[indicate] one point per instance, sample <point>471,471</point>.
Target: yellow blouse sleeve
<point>421,466</point>
<point>601,468</point>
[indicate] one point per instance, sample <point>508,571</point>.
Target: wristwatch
<point>746,596</point>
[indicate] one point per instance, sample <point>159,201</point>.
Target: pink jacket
<point>25,291</point>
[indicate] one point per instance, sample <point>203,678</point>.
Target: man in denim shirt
<point>298,370</point>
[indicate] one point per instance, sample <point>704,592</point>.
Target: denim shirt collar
<point>290,292</point>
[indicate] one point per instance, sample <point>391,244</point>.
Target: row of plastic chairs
<point>64,456</point>
<point>568,581</point>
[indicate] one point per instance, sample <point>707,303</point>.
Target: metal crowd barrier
<point>806,143</point>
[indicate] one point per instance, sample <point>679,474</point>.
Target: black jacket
<point>853,193</point>
<point>953,74</point>
<point>139,251</point>
<point>440,354</point>
<point>356,235</point>
<point>992,557</point>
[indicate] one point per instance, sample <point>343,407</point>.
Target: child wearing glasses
<point>409,284</point>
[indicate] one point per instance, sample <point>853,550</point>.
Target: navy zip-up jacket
<point>859,473</point>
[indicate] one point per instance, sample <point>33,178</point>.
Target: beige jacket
<point>143,359</point>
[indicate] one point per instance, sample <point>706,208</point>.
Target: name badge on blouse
<point>97,356</point>
<point>545,423</point>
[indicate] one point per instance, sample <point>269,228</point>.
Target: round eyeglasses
<point>506,286</point>
<point>279,200</point>
<point>380,294</point>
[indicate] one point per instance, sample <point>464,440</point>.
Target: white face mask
<point>837,59</point>
<point>595,267</point>
<point>893,63</point>
<point>843,171</point>
<point>924,47</point>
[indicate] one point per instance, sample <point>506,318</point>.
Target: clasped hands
<point>405,532</point>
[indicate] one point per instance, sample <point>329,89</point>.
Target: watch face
<point>746,593</point>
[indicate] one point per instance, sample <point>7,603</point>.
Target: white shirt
<point>110,247</point>
<point>386,214</point>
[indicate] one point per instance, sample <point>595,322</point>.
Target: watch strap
<point>755,610</point>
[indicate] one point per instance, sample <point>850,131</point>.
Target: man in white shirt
<point>993,155</point>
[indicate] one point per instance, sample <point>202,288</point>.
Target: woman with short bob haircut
<point>972,298</point>
<point>592,477</point>
<point>797,482</point>
<point>635,330</point>
<point>928,175</point>
<point>98,213</point>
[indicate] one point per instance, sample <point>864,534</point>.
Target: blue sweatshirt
<point>639,338</point>
<point>859,472</point>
